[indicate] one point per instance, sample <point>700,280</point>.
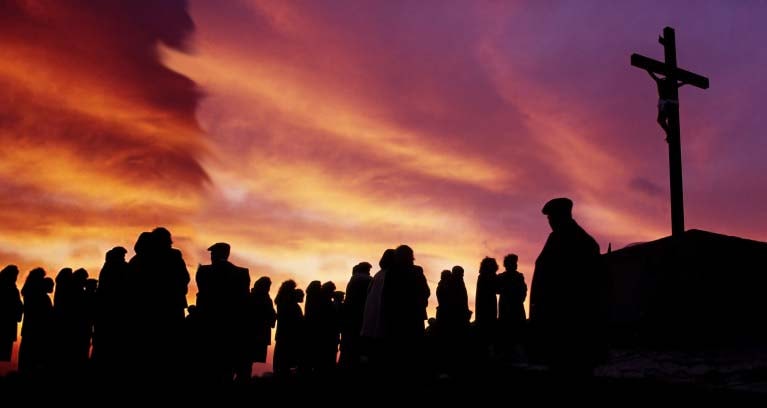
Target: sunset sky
<point>312,135</point>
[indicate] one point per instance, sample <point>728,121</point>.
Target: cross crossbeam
<point>649,64</point>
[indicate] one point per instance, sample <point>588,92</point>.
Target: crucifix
<point>668,114</point>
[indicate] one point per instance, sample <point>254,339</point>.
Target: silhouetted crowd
<point>135,318</point>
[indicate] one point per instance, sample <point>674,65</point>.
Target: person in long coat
<point>263,317</point>
<point>290,328</point>
<point>565,295</point>
<point>352,314</point>
<point>512,291</point>
<point>486,317</point>
<point>37,330</point>
<point>222,300</point>
<point>11,310</point>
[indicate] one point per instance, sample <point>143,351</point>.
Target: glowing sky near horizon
<point>313,135</point>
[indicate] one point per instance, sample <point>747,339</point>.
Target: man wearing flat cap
<point>565,294</point>
<point>222,294</point>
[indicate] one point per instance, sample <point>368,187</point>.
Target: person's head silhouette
<point>116,254</point>
<point>262,285</point>
<point>387,259</point>
<point>362,268</point>
<point>510,262</point>
<point>488,266</point>
<point>559,211</point>
<point>405,256</point>
<point>219,252</point>
<point>458,272</point>
<point>9,274</point>
<point>162,238</point>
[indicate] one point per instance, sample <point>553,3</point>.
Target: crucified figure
<point>667,98</point>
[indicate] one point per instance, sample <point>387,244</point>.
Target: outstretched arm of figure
<point>653,76</point>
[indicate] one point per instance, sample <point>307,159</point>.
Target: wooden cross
<point>668,114</point>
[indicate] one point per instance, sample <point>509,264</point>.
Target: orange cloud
<point>98,139</point>
<point>316,107</point>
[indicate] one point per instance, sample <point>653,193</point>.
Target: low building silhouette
<point>701,289</point>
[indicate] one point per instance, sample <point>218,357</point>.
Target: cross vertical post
<point>668,115</point>
<point>674,142</point>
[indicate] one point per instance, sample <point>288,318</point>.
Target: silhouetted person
<point>352,312</point>
<point>452,325</point>
<point>441,331</point>
<point>329,327</point>
<point>11,310</point>
<point>372,318</point>
<point>65,305</point>
<point>667,102</point>
<point>312,343</point>
<point>162,279</point>
<point>453,309</point>
<point>37,328</point>
<point>290,328</point>
<point>512,291</point>
<point>81,323</point>
<point>445,299</point>
<point>458,347</point>
<point>262,318</point>
<point>564,293</point>
<point>138,330</point>
<point>111,328</point>
<point>372,332</point>
<point>173,276</point>
<point>222,304</point>
<point>461,296</point>
<point>73,322</point>
<point>486,304</point>
<point>405,297</point>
